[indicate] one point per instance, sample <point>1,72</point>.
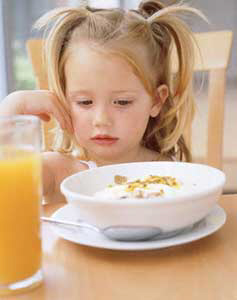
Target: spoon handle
<point>68,223</point>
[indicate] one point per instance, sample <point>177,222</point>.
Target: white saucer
<point>211,223</point>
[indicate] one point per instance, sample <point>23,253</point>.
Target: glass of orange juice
<point>20,198</point>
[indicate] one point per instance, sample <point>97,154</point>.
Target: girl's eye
<point>84,102</point>
<point>122,102</point>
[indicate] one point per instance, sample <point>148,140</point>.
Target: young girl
<point>111,88</point>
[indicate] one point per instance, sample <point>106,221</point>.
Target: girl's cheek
<point>75,116</point>
<point>80,125</point>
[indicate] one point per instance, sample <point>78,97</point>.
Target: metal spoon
<point>120,233</point>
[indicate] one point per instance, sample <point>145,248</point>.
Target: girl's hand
<point>41,103</point>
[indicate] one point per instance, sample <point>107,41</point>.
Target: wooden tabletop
<point>204,269</point>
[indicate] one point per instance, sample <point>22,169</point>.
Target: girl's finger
<point>64,118</point>
<point>61,116</point>
<point>54,107</point>
<point>44,117</point>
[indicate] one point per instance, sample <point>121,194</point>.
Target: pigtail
<point>170,33</point>
<point>61,23</point>
<point>58,24</point>
<point>148,8</point>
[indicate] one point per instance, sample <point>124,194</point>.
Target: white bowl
<point>201,188</point>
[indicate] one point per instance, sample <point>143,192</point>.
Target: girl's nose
<point>101,118</point>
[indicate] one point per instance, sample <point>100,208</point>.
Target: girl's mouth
<point>104,140</point>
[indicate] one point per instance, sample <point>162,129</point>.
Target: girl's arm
<point>43,104</point>
<point>56,167</point>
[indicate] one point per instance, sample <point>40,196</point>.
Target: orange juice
<point>20,193</point>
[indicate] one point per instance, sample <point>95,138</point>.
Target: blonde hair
<point>153,27</point>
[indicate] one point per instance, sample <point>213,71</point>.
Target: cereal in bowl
<point>146,187</point>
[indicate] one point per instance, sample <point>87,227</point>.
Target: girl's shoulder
<point>89,163</point>
<point>166,158</point>
<point>56,167</point>
<point>63,164</point>
<point>162,157</point>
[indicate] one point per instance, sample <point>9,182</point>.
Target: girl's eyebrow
<point>124,91</point>
<point>76,93</point>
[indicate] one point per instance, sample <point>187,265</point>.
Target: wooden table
<point>204,269</point>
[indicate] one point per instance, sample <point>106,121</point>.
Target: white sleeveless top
<point>90,164</point>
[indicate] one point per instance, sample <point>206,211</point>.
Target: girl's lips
<point>104,140</point>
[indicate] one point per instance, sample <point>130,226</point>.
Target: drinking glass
<point>20,198</point>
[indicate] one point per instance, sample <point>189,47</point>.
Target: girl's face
<point>110,107</point>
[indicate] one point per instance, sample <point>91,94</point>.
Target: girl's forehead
<point>94,55</point>
<point>120,55</point>
<point>87,61</point>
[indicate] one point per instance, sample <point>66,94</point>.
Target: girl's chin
<point>107,158</point>
<point>111,154</point>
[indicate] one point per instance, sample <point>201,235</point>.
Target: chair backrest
<point>35,52</point>
<point>215,49</point>
<point>213,56</point>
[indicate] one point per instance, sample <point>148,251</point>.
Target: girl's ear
<point>161,95</point>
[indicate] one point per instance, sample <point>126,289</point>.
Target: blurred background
<point>17,18</point>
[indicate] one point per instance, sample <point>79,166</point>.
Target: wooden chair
<point>213,57</point>
<point>215,49</point>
